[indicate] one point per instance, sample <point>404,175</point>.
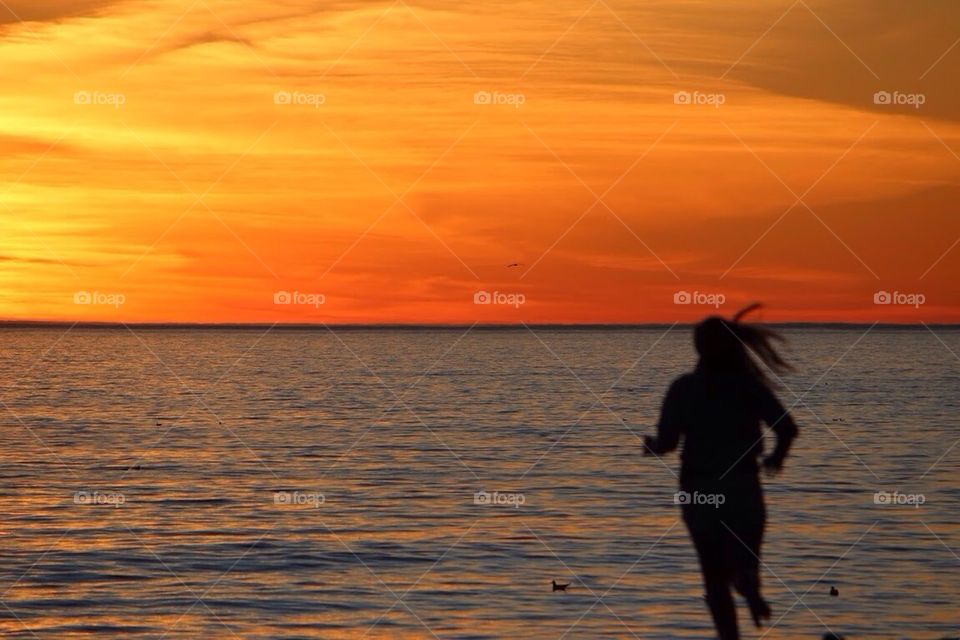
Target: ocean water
<point>187,483</point>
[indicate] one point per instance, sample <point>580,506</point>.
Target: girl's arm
<point>670,426</point>
<point>782,424</point>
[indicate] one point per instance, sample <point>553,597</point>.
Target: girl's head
<point>726,345</point>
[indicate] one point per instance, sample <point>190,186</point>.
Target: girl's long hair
<point>726,345</point>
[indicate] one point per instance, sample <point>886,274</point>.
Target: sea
<point>431,482</point>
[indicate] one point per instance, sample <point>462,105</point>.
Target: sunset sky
<point>184,160</point>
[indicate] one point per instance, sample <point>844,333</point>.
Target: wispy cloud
<point>201,156</point>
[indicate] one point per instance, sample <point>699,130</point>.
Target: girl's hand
<point>649,446</point>
<point>773,465</point>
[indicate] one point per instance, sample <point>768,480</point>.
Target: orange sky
<point>149,157</point>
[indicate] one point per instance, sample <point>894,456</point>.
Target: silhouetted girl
<point>717,410</point>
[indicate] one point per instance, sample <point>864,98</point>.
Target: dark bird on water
<point>834,591</point>
<point>559,587</point>
<point>514,264</point>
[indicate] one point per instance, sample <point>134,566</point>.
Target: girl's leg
<point>721,605</point>
<point>746,550</point>
<point>714,564</point>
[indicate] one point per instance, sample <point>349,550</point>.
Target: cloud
<point>296,190</point>
<point>14,11</point>
<point>202,38</point>
<point>835,52</point>
<point>33,146</point>
<point>42,261</point>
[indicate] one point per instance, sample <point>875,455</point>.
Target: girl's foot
<point>759,609</point>
<point>748,585</point>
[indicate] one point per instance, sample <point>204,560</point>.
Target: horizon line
<point>78,324</point>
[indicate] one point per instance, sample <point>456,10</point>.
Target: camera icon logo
<point>282,97</point>
<point>882,97</point>
<point>82,97</point>
<point>282,297</point>
<point>682,297</point>
<point>82,297</point>
<point>882,497</point>
<point>482,97</point>
<point>481,497</point>
<point>882,297</point>
<point>482,297</point>
<point>682,97</point>
<point>681,497</point>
